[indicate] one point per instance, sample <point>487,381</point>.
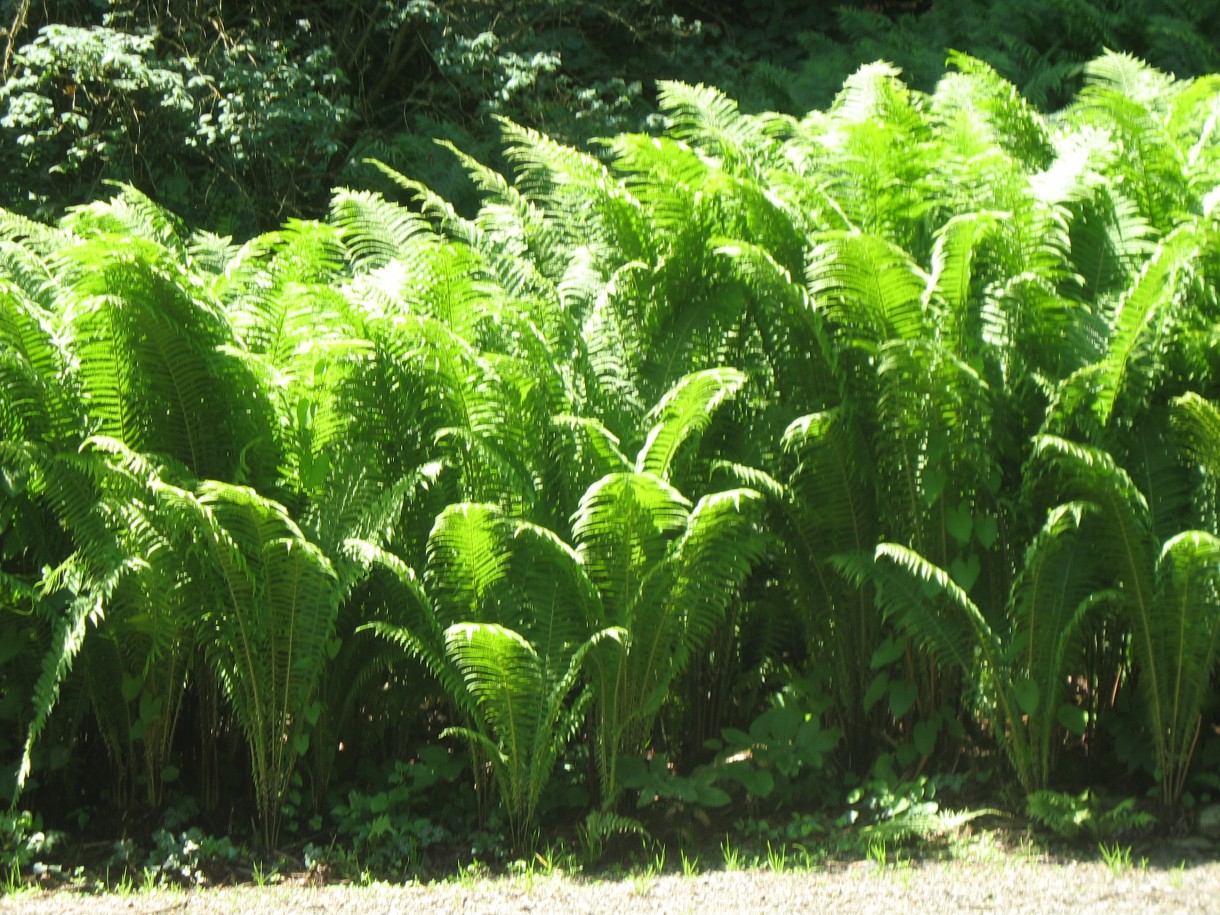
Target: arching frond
<point>869,286</point>
<point>623,526</point>
<point>375,231</point>
<point>1184,635</point>
<point>684,412</point>
<point>708,119</point>
<point>1144,316</point>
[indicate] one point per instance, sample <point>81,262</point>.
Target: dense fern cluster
<point>905,405</point>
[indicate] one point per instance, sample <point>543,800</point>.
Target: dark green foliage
<point>239,117</point>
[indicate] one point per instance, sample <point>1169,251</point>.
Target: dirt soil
<point>1000,884</point>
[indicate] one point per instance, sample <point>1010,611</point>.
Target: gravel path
<point>1013,885</point>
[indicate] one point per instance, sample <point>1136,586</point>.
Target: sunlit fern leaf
<point>468,558</point>
<point>708,119</point>
<point>418,628</point>
<point>1130,99</point>
<point>868,286</point>
<point>951,283</point>
<point>560,602</point>
<point>129,213</point>
<point>279,293</point>
<point>586,202</point>
<point>598,441</point>
<point>91,502</point>
<point>525,718</point>
<point>663,174</point>
<point>1129,76</point>
<point>435,207</point>
<point>1185,634</point>
<point>931,441</point>
<point>38,398</point>
<point>1111,241</point>
<point>1012,122</point>
<point>683,413</point>
<point>68,637</point>
<point>1197,421</point>
<point>148,344</point>
<point>32,273</point>
<point>874,91</point>
<point>373,230</point>
<point>796,347</point>
<point>614,333</point>
<point>623,526</point>
<point>210,253</point>
<point>1126,542</point>
<point>42,239</point>
<point>1143,317</point>
<point>1160,470</point>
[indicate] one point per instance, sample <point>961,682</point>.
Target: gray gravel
<point>1009,885</point>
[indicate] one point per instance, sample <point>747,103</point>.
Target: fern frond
<point>684,412</point>
<point>375,231</point>
<point>623,527</point>
<point>869,286</point>
<point>708,119</point>
<point>1143,316</point>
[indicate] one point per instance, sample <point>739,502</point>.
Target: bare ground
<point>1000,884</point>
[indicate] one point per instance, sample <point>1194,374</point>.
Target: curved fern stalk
<point>1057,588</point>
<point>105,524</point>
<point>1186,633</point>
<point>830,510</point>
<point>421,631</point>
<point>665,574</point>
<point>683,414</point>
<point>1168,592</point>
<point>505,625</point>
<point>949,294</point>
<point>270,599</point>
<point>526,713</point>
<point>1143,320</point>
<point>935,611</point>
<point>931,445</point>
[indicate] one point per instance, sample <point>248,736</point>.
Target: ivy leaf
<point>902,697</point>
<point>966,572</point>
<point>924,735</point>
<point>959,522</point>
<point>876,690</point>
<point>1027,693</point>
<point>887,652</point>
<point>1072,719</point>
<point>986,531</point>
